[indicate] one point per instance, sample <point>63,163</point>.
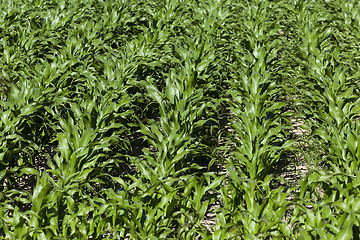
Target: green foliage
<point>170,119</point>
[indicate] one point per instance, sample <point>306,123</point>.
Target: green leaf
<point>346,231</point>
<point>40,192</point>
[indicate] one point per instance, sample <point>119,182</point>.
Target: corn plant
<point>330,106</point>
<point>258,112</point>
<point>251,209</point>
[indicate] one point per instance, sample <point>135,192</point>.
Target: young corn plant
<point>328,90</point>
<point>259,134</point>
<point>19,114</point>
<point>84,138</point>
<point>251,209</point>
<point>180,105</point>
<point>330,213</point>
<point>330,106</point>
<point>164,169</point>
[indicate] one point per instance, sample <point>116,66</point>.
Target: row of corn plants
<point>169,119</point>
<point>324,74</point>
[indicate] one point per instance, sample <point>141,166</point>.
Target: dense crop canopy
<point>179,119</point>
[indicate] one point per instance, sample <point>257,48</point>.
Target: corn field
<point>179,119</point>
